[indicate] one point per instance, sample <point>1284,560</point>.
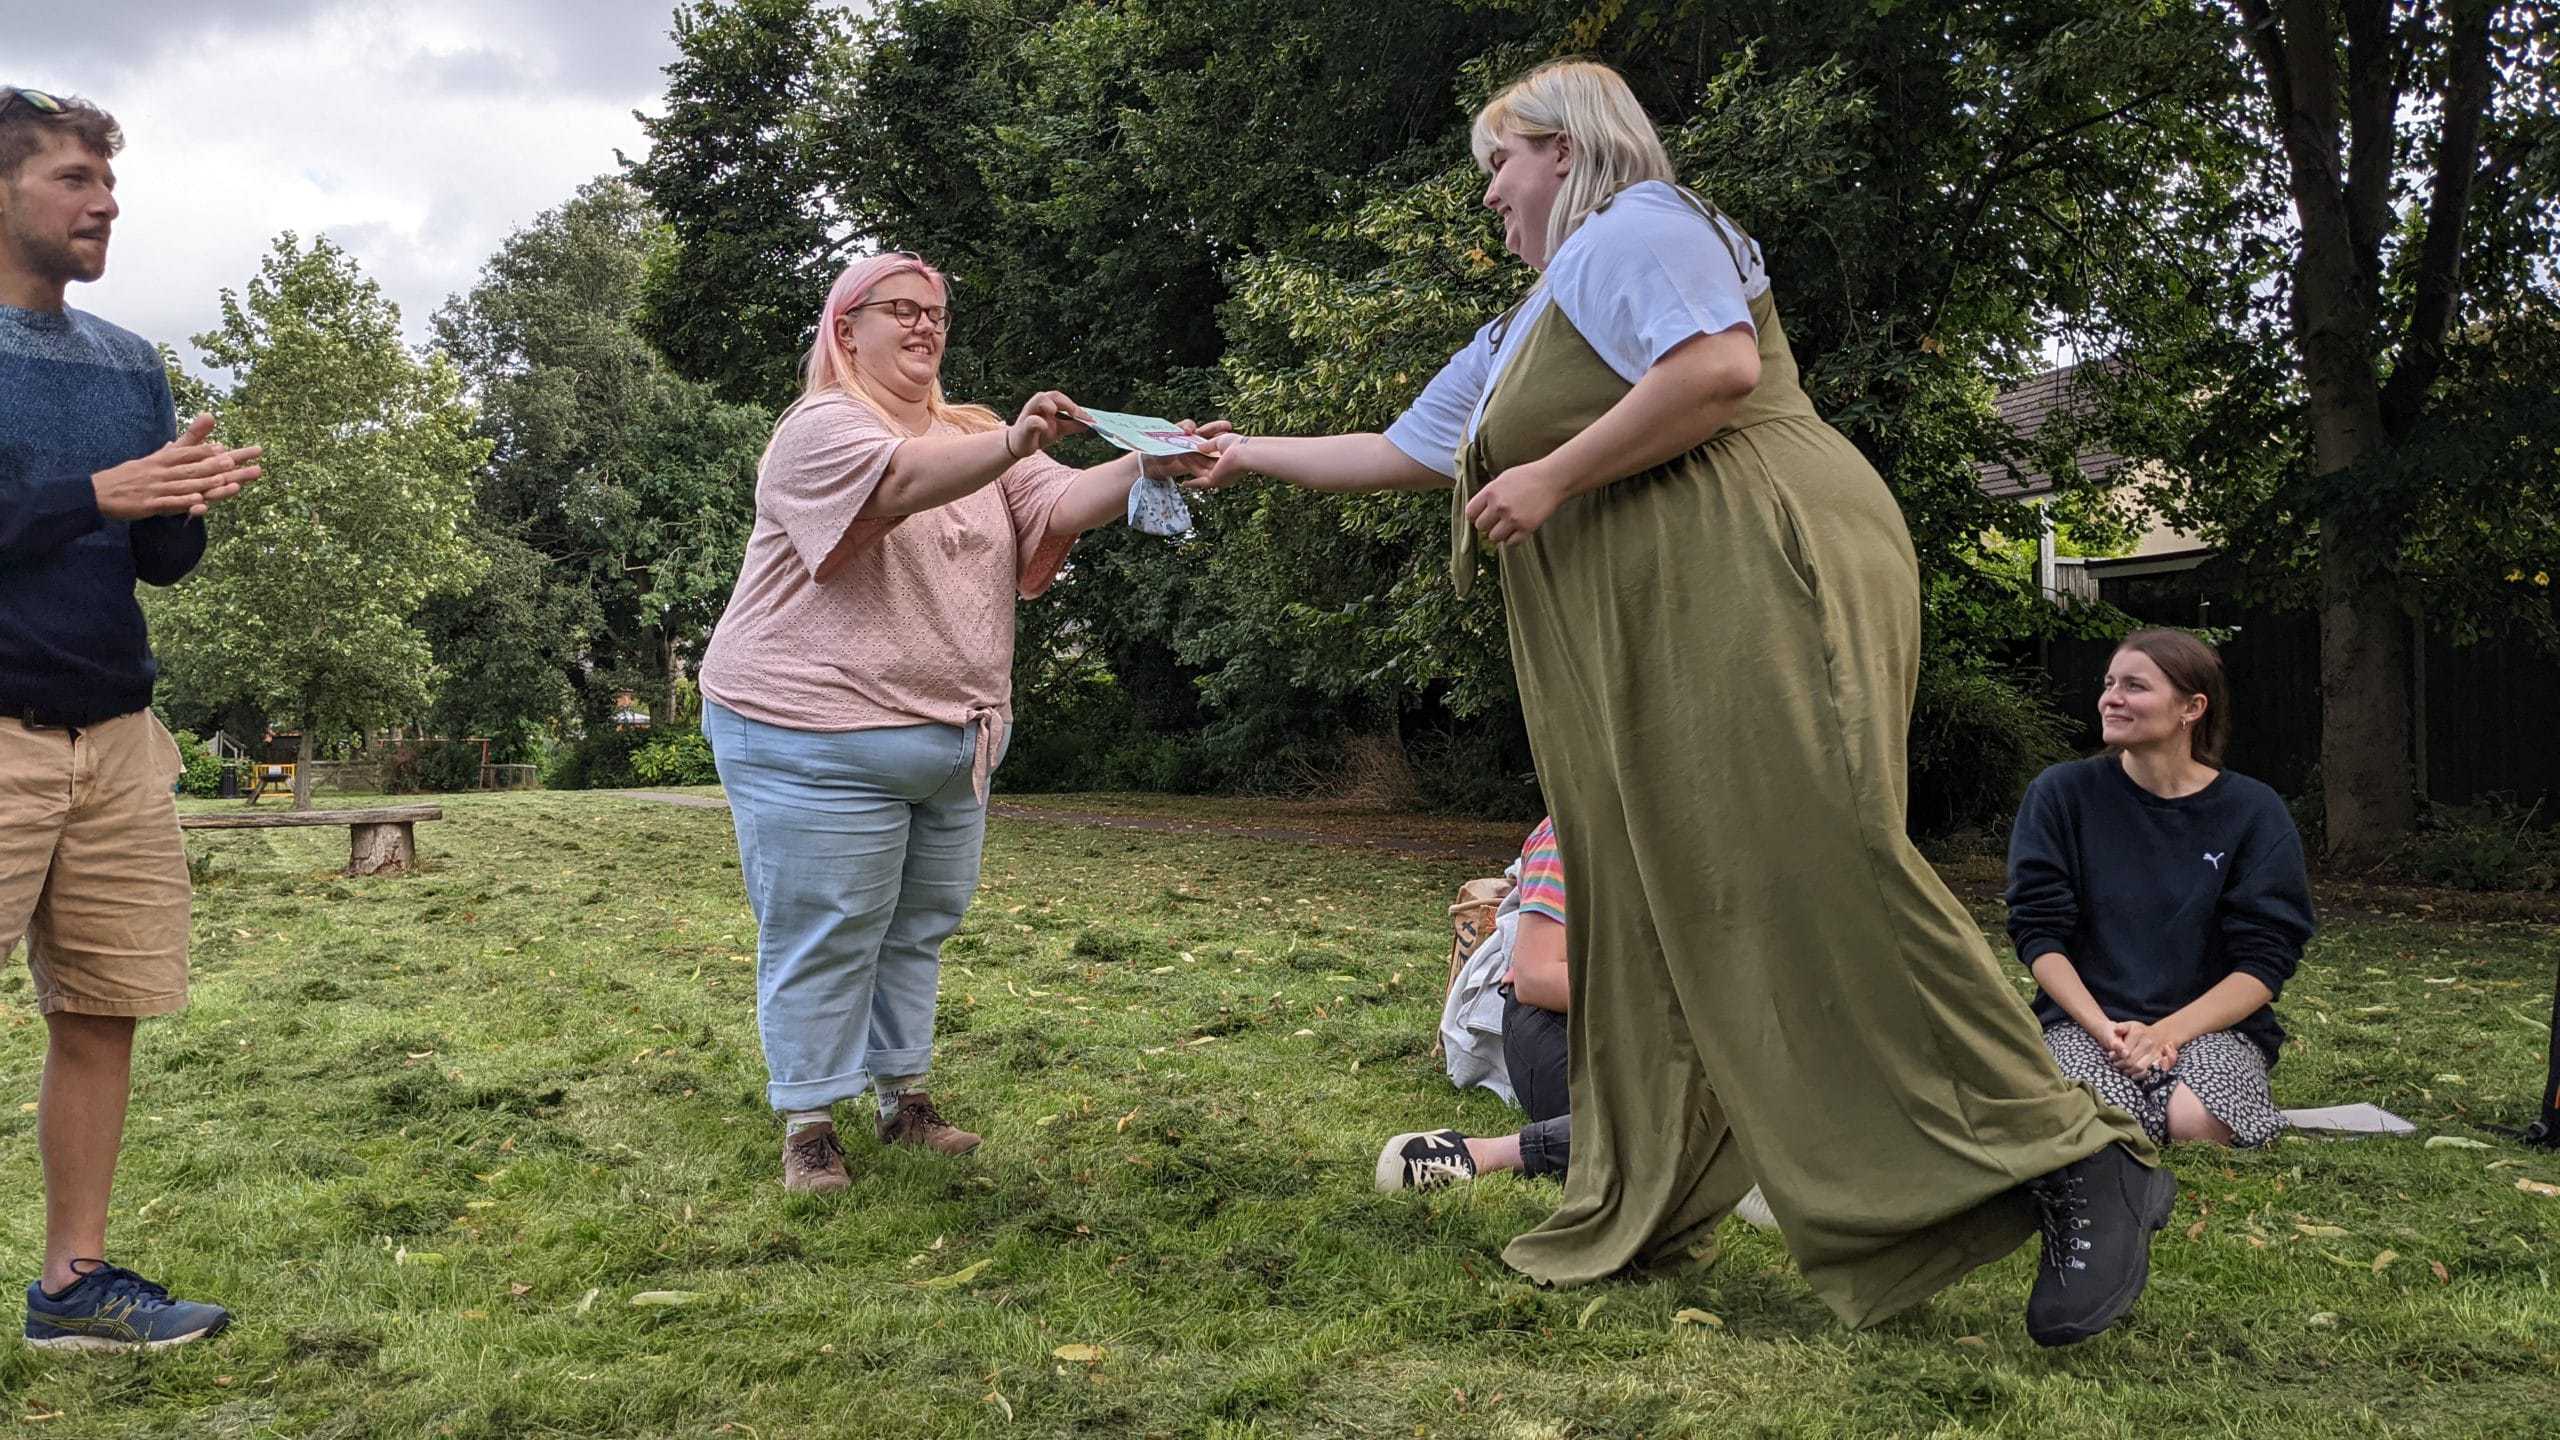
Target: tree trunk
<point>2364,736</point>
<point>2366,781</point>
<point>2365,776</point>
<point>305,749</point>
<point>2341,185</point>
<point>2546,1130</point>
<point>673,659</point>
<point>386,849</point>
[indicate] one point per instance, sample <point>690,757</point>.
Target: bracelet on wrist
<point>1008,444</point>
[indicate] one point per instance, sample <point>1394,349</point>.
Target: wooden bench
<point>380,841</point>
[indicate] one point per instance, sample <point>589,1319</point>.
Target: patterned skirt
<point>2225,1070</point>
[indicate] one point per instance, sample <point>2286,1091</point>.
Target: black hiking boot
<point>2098,1214</point>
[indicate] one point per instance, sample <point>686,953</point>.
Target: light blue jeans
<point>860,851</point>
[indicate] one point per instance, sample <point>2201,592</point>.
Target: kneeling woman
<point>860,687</point>
<point>2162,903</point>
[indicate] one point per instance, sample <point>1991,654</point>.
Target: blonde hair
<point>1614,142</point>
<point>831,366</point>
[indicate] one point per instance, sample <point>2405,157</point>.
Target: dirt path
<point>690,802</point>
<point>1407,837</point>
<point>1384,835</point>
<point>1493,844</point>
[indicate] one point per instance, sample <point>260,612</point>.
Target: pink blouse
<point>913,622</point>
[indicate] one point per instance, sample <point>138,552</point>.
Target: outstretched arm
<point>933,470</point>
<point>1097,494</point>
<point>1321,462</point>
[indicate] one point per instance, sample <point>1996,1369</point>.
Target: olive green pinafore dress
<point>1717,659</point>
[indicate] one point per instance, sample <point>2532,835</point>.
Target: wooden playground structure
<point>270,764</point>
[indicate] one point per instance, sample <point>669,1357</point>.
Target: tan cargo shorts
<point>93,872</point>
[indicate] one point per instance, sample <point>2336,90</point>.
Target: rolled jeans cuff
<point>1546,1146</point>
<point>908,1065</point>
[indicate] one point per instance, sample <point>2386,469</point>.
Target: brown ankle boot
<point>915,1121</point>
<point>813,1161</point>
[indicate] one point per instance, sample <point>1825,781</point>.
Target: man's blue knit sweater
<point>77,396</point>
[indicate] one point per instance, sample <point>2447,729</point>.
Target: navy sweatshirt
<point>2156,901</point>
<point>77,396</point>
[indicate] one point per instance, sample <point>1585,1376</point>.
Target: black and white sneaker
<point>1424,1160</point>
<point>2098,1214</point>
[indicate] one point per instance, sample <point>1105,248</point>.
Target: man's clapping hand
<point>184,477</point>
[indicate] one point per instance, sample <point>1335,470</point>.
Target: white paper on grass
<point>2356,1119</point>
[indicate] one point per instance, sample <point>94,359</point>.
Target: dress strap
<point>1726,230</point>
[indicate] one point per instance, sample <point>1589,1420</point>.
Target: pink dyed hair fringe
<point>826,369</point>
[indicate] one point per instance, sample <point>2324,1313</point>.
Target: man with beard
<point>95,494</point>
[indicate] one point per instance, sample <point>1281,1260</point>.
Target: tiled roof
<point>2026,407</point>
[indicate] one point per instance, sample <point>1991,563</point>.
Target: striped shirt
<point>1542,873</point>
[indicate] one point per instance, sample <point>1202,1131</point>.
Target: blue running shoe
<point>111,1308</point>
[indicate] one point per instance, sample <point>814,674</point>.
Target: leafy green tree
<point>307,601</point>
<point>1088,175</point>
<point>634,487</point>
<point>1197,205</point>
<point>181,697</point>
<point>735,166</point>
<point>505,649</point>
<point>2417,147</point>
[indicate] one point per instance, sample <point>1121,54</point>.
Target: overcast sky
<point>415,133</point>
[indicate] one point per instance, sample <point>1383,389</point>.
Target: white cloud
<point>416,135</point>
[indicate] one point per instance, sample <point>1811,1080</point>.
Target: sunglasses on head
<point>36,100</point>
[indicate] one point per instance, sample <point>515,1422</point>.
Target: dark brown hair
<point>24,129</point>
<point>2192,668</point>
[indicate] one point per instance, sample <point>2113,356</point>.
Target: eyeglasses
<point>908,312</point>
<point>36,99</point>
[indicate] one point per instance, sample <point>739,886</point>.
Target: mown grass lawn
<point>433,1138</point>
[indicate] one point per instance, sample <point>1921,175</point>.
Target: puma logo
<point>2214,860</point>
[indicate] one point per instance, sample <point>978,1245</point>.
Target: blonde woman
<point>859,693</point>
<point>1715,621</point>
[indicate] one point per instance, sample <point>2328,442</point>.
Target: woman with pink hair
<point>859,692</point>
